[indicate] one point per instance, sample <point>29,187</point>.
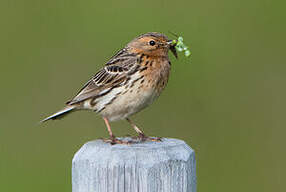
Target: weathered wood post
<point>167,166</point>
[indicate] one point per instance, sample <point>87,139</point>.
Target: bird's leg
<point>108,128</point>
<point>141,134</point>
<point>112,140</point>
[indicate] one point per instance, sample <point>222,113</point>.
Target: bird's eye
<point>152,43</point>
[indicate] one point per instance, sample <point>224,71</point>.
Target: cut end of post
<point>149,166</point>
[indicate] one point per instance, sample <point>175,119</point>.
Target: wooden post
<point>167,166</point>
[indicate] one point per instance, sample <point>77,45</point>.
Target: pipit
<point>130,81</point>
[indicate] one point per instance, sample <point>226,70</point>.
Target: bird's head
<point>152,44</point>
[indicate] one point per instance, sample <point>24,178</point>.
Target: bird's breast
<point>157,74</point>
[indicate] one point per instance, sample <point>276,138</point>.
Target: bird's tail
<point>60,113</point>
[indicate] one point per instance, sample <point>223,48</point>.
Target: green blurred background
<point>227,101</point>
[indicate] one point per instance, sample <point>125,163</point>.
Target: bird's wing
<point>115,72</point>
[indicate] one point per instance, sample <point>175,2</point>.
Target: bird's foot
<point>113,140</point>
<point>143,137</point>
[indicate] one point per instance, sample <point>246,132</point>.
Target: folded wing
<point>115,72</point>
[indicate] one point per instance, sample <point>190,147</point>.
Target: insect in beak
<point>172,46</point>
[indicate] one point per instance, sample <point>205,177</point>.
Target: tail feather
<point>60,113</point>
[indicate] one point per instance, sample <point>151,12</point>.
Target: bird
<point>129,82</point>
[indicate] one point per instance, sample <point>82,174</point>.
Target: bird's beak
<point>172,44</point>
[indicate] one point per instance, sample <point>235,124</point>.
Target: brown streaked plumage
<point>130,81</point>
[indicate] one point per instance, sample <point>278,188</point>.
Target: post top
<point>147,153</point>
<point>144,144</point>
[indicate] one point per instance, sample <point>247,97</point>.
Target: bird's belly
<point>129,100</point>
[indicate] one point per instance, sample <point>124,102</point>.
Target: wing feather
<point>115,72</point>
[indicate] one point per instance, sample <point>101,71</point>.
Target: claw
<point>157,139</point>
<point>114,141</point>
<point>143,137</point>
